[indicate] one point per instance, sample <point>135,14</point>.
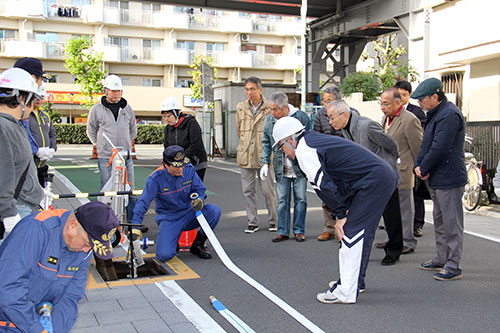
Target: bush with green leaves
<point>77,134</point>
<point>367,83</point>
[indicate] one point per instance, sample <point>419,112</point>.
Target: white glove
<point>263,172</point>
<point>497,192</point>
<point>46,194</point>
<point>10,222</point>
<point>45,153</point>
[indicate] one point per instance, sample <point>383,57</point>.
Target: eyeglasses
<point>385,104</point>
<point>250,89</point>
<point>330,119</point>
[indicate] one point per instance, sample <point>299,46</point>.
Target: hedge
<point>76,134</point>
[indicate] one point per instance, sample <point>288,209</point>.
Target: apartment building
<point>149,45</point>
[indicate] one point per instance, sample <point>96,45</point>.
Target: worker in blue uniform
<point>171,185</point>
<point>354,183</point>
<point>46,259</point>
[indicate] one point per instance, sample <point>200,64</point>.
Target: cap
<point>32,66</point>
<point>427,87</point>
<point>100,223</point>
<point>175,155</point>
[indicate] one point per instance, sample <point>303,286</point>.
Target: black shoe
<point>200,251</point>
<point>389,260</point>
<point>418,232</point>
<point>251,229</point>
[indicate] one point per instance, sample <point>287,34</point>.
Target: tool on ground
<point>233,319</point>
<point>235,269</point>
<point>134,242</point>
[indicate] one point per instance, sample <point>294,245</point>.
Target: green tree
<point>86,65</point>
<point>389,67</point>
<point>367,83</point>
<point>196,87</point>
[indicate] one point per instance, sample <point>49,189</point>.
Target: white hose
<point>232,267</point>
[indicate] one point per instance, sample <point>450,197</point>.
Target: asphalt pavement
<point>398,298</point>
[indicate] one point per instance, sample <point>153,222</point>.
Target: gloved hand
<point>263,171</point>
<point>46,194</point>
<point>47,324</point>
<point>10,222</point>
<point>45,153</point>
<point>197,204</point>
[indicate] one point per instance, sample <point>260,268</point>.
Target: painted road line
<point>191,310</point>
<point>233,319</point>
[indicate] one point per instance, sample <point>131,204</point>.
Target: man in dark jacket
<point>322,125</point>
<point>419,190</point>
<point>371,135</point>
<point>183,130</point>
<point>441,162</point>
<point>355,183</point>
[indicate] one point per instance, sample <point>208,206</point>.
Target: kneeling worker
<point>46,259</point>
<point>171,185</point>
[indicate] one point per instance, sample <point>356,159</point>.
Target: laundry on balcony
<point>64,11</point>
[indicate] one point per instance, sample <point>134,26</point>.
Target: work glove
<point>45,153</point>
<point>263,171</point>
<point>49,195</point>
<point>47,324</point>
<point>10,222</point>
<point>197,204</point>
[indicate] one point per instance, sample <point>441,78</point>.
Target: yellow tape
<point>81,195</point>
<point>110,193</point>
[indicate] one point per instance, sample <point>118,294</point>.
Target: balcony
<point>54,50</point>
<point>93,14</point>
<point>170,20</point>
<point>290,27</point>
<point>203,22</point>
<point>288,61</point>
<point>17,49</point>
<point>264,60</point>
<point>235,59</point>
<point>170,56</point>
<point>111,53</point>
<point>235,23</point>
<point>136,17</point>
<point>111,15</point>
<point>22,8</point>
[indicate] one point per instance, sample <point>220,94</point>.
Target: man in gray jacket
<point>371,135</point>
<point>20,192</point>
<point>114,117</point>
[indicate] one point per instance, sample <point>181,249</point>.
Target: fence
<point>486,142</point>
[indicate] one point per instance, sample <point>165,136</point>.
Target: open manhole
<point>117,270</point>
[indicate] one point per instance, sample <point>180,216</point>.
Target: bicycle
<point>472,190</point>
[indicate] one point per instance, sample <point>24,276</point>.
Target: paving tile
<point>111,317</point>
<point>85,320</point>
<point>99,306</point>
<point>126,327</point>
<point>151,326</point>
<point>174,317</point>
<point>144,288</point>
<point>153,296</point>
<point>183,328</point>
<point>135,303</point>
<point>163,306</point>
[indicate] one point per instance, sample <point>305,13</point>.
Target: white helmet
<point>285,127</point>
<point>171,104</point>
<point>113,82</point>
<point>18,79</point>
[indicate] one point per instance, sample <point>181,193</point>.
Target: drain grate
<point>119,270</point>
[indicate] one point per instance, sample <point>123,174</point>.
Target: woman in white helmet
<point>183,130</point>
<point>20,191</point>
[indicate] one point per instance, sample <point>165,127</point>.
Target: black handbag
<point>420,190</point>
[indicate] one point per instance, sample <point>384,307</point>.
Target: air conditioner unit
<point>245,37</point>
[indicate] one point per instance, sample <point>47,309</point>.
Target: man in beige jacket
<point>404,127</point>
<point>250,115</point>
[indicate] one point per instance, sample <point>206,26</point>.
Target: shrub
<point>77,134</point>
<point>367,83</point>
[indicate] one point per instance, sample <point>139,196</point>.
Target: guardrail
<point>486,142</point>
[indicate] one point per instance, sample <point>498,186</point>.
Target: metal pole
<point>303,80</point>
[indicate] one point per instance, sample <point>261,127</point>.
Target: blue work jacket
<point>171,194</point>
<point>442,152</point>
<point>37,266</point>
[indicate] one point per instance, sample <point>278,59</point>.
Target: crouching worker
<point>171,185</point>
<point>46,259</point>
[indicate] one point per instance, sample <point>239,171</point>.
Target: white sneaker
<point>328,298</point>
<point>331,283</point>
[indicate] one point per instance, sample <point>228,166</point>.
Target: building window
<point>185,45</point>
<point>54,78</point>
<point>184,83</point>
<point>151,82</point>
<point>274,49</point>
<point>122,43</point>
<point>453,83</point>
<point>125,81</point>
<point>7,34</point>
<point>215,47</point>
<point>251,48</point>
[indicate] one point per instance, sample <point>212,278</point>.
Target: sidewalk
<point>139,308</point>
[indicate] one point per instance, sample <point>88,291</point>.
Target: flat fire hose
<point>244,276</point>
